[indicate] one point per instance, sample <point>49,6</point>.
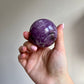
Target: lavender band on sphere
<point>43,33</point>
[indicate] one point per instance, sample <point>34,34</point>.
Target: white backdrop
<point>16,16</point>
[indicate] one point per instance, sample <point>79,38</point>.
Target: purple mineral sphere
<point>43,33</point>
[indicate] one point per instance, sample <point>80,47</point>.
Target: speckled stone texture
<point>43,33</point>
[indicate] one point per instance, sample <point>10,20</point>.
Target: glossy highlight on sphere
<point>43,33</point>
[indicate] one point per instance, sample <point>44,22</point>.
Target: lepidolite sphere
<point>43,33</point>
